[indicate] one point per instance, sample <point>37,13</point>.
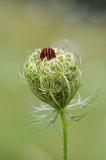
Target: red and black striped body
<point>48,53</point>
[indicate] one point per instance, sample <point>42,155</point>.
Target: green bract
<point>54,81</point>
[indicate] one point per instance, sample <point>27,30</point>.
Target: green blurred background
<point>26,25</point>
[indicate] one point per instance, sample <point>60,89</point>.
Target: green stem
<point>65,138</point>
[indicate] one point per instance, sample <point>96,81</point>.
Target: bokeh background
<point>26,25</point>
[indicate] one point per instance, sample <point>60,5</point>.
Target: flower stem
<point>65,138</point>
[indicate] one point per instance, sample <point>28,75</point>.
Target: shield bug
<point>49,53</point>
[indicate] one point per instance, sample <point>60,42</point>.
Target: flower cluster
<point>55,81</point>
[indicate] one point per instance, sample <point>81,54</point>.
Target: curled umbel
<point>54,80</point>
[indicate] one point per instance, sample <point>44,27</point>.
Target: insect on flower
<point>49,53</point>
<point>56,85</point>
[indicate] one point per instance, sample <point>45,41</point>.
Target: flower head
<point>54,77</point>
<point>56,80</point>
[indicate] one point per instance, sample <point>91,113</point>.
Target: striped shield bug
<point>49,53</point>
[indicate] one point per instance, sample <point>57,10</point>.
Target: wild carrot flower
<point>55,81</point>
